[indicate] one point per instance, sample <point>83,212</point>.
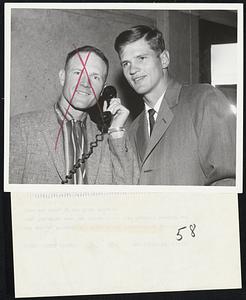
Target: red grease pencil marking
<point>70,102</point>
<point>76,87</point>
<point>78,82</point>
<point>89,81</point>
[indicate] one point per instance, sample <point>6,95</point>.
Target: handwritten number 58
<point>180,236</point>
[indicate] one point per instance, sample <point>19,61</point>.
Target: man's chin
<point>83,107</point>
<point>140,90</point>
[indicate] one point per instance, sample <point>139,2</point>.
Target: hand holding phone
<point>108,93</point>
<point>119,112</point>
<point>114,113</point>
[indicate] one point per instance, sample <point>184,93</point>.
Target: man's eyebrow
<point>95,73</point>
<point>77,69</point>
<point>143,54</point>
<point>138,55</point>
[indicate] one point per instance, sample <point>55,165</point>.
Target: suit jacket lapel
<point>165,115</point>
<point>163,121</point>
<point>142,136</point>
<point>50,127</point>
<point>56,153</point>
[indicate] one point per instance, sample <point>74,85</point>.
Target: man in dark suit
<point>46,145</point>
<point>186,134</point>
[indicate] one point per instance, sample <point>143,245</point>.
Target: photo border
<point>126,188</point>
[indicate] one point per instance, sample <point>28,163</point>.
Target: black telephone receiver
<point>108,93</point>
<point>103,123</point>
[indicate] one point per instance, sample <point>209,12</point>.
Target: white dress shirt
<point>156,108</point>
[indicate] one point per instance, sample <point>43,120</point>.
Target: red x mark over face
<point>84,79</point>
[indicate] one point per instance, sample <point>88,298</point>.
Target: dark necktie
<point>151,119</point>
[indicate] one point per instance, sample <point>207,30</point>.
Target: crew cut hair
<point>90,49</point>
<point>152,35</point>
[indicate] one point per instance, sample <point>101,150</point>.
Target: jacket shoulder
<point>202,96</point>
<point>205,102</point>
<point>33,119</point>
<point>201,92</point>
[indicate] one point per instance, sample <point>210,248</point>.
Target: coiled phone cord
<point>99,138</point>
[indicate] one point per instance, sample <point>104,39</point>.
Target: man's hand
<point>120,114</point>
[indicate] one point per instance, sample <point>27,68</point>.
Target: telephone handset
<point>103,125</point>
<point>108,93</point>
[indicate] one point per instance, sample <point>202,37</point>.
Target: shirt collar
<point>157,105</point>
<point>66,110</point>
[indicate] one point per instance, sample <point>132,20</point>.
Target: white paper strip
<point>74,244</point>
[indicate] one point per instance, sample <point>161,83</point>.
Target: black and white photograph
<point>120,97</point>
<point>122,145</point>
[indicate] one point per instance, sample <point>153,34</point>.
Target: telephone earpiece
<point>109,92</point>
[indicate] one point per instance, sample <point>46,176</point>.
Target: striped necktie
<point>74,144</point>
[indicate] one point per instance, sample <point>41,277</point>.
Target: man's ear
<point>165,60</point>
<point>62,76</point>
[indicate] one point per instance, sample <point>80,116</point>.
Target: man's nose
<point>84,81</point>
<point>133,69</point>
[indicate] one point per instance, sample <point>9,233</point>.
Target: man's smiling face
<point>143,68</point>
<point>84,95</point>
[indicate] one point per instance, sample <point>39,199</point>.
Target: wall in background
<point>41,38</point>
<point>184,53</point>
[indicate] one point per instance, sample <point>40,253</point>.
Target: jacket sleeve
<point>124,162</point>
<point>215,125</point>
<point>17,151</point>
